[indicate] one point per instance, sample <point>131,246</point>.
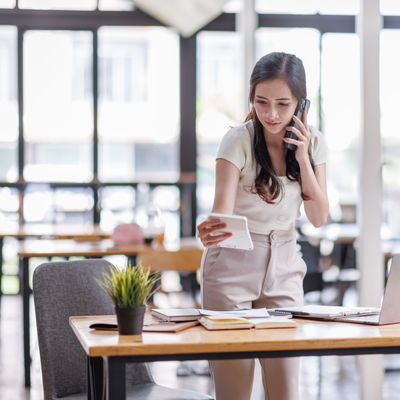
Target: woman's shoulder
<point>240,133</point>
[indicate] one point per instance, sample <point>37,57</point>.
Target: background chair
<point>186,261</point>
<point>311,255</point>
<point>63,289</point>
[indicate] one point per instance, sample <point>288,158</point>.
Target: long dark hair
<point>274,66</point>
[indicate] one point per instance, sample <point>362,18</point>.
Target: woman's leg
<point>230,281</point>
<point>283,286</point>
<point>233,379</point>
<point>281,378</point>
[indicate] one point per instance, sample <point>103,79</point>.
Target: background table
<point>310,338</point>
<point>51,231</point>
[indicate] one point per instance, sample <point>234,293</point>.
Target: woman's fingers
<point>300,135</point>
<point>302,126</point>
<point>210,232</point>
<point>210,240</point>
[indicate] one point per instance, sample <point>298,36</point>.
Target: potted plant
<point>129,289</point>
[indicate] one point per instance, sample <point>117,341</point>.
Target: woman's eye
<point>284,104</point>
<point>260,102</point>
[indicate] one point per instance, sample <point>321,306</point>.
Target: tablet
<point>237,225</point>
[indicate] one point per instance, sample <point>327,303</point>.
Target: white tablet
<point>237,225</point>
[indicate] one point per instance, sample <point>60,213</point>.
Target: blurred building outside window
<point>8,104</point>
<point>138,104</point>
<point>58,106</point>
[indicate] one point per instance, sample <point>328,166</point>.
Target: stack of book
<point>238,319</point>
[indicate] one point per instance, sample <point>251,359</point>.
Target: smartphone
<point>301,108</point>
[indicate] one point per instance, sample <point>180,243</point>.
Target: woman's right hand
<point>210,232</point>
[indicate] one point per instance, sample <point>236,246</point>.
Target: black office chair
<point>63,289</point>
<point>311,255</point>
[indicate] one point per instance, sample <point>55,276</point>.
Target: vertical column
<point>95,166</point>
<point>369,218</point>
<point>246,24</point>
<point>188,143</point>
<point>21,141</point>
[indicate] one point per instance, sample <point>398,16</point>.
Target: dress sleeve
<point>233,147</point>
<point>318,147</point>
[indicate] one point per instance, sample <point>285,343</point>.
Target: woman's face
<point>274,104</point>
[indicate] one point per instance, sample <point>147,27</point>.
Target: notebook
<point>389,313</point>
<point>193,314</point>
<point>150,325</point>
<point>214,322</point>
<point>237,225</point>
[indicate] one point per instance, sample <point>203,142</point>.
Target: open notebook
<point>215,322</point>
<point>389,313</point>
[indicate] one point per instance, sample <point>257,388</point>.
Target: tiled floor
<point>327,378</point>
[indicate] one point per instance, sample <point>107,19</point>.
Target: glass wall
<point>138,104</point>
<point>58,105</point>
<point>218,103</point>
<point>390,87</point>
<point>340,92</point>
<point>8,104</point>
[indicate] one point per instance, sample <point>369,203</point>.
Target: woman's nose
<point>272,113</point>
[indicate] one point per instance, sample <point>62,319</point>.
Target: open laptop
<point>388,314</point>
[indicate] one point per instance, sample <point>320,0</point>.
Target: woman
<point>258,177</point>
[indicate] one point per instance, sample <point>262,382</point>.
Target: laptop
<point>389,313</point>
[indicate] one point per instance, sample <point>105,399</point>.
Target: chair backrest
<point>311,256</point>
<point>63,289</point>
<point>183,260</point>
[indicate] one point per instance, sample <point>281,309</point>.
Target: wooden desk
<point>69,248</point>
<point>51,231</point>
<point>309,339</point>
<point>55,231</point>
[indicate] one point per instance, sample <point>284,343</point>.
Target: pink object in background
<point>125,234</point>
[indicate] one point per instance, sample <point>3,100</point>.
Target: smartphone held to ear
<point>301,108</point>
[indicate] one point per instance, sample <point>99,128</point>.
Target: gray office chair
<point>63,289</point>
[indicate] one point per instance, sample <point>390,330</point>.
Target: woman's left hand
<point>303,139</point>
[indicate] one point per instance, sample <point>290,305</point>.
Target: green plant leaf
<point>129,287</point>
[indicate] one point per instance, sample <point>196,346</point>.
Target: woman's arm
<point>313,183</point>
<point>226,183</point>
<point>313,186</point>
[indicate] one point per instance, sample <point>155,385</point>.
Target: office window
<point>307,7</point>
<point>46,204</point>
<point>117,205</point>
<point>390,7</point>
<point>219,102</point>
<point>58,106</point>
<point>7,3</point>
<point>8,104</point>
<point>337,7</point>
<point>390,87</point>
<point>138,104</point>
<point>9,202</point>
<point>58,4</point>
<point>116,5</point>
<point>293,41</point>
<point>340,92</point>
